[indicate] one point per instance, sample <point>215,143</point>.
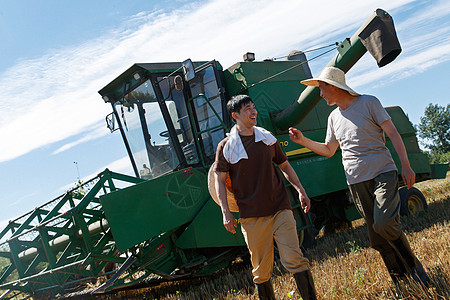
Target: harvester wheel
<point>412,201</point>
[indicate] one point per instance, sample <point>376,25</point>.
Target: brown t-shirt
<point>258,187</point>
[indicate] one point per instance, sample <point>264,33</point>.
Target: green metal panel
<point>439,171</point>
<point>161,253</point>
<point>144,211</point>
<point>400,120</point>
<point>418,160</point>
<point>317,117</point>
<point>351,213</point>
<point>207,230</point>
<point>320,175</point>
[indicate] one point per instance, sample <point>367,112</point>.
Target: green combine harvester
<point>162,224</point>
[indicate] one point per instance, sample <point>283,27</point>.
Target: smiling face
<point>246,117</point>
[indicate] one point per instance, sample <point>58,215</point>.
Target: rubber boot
<point>393,263</point>
<point>305,284</point>
<point>404,250</point>
<point>265,290</point>
<point>395,266</point>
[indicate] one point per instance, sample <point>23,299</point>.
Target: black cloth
<point>380,39</point>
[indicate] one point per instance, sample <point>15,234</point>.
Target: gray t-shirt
<point>361,138</point>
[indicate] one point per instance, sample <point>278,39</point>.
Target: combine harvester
<point>162,224</point>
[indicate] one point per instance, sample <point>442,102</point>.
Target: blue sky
<point>56,55</point>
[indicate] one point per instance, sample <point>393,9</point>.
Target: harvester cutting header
<point>162,224</point>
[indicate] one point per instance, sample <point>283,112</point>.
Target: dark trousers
<point>378,201</point>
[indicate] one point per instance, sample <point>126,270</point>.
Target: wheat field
<point>343,265</point>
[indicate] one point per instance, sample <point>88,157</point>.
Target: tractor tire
<point>411,201</point>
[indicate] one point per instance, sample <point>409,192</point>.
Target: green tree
<point>434,130</point>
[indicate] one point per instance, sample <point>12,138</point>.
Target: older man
<point>358,125</point>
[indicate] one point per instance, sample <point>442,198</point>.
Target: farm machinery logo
<point>185,191</point>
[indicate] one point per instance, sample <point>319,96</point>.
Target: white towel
<point>234,150</point>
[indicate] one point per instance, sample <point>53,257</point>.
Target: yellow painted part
<point>298,151</point>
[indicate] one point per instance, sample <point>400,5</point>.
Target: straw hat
<point>232,205</point>
<point>333,76</point>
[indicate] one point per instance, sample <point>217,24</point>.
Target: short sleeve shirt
<point>258,186</point>
<point>361,138</point>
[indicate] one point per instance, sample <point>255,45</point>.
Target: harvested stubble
<point>343,265</point>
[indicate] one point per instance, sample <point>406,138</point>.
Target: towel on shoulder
<point>234,150</point>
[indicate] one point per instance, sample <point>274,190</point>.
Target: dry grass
<point>343,265</point>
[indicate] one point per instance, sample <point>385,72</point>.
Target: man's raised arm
<point>325,149</point>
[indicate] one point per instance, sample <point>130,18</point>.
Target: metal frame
<point>222,93</point>
<point>64,242</point>
<point>197,133</point>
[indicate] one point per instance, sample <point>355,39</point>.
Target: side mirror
<point>111,122</point>
<point>188,69</point>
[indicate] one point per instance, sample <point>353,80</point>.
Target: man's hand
<point>326,149</point>
<point>292,177</point>
<point>305,202</point>
<point>295,135</point>
<point>409,177</point>
<point>229,222</point>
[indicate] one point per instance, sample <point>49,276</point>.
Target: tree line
<point>434,132</point>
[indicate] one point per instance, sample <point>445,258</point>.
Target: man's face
<point>326,92</point>
<point>246,116</point>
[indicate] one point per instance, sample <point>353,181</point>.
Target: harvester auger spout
<point>379,27</point>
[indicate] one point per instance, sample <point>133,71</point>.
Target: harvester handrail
<point>307,51</point>
<point>288,69</point>
<point>198,133</point>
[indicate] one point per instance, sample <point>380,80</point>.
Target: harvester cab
<point>170,115</point>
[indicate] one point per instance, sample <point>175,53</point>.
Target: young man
<point>358,125</point>
<point>248,154</point>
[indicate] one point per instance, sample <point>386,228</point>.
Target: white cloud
<point>97,132</point>
<point>402,67</point>
<point>54,97</point>
<point>436,11</point>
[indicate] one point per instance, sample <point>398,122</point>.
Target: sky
<point>57,54</point>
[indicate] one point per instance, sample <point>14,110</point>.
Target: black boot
<point>305,284</point>
<point>265,290</point>
<point>416,269</point>
<point>393,263</point>
<point>395,266</point>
